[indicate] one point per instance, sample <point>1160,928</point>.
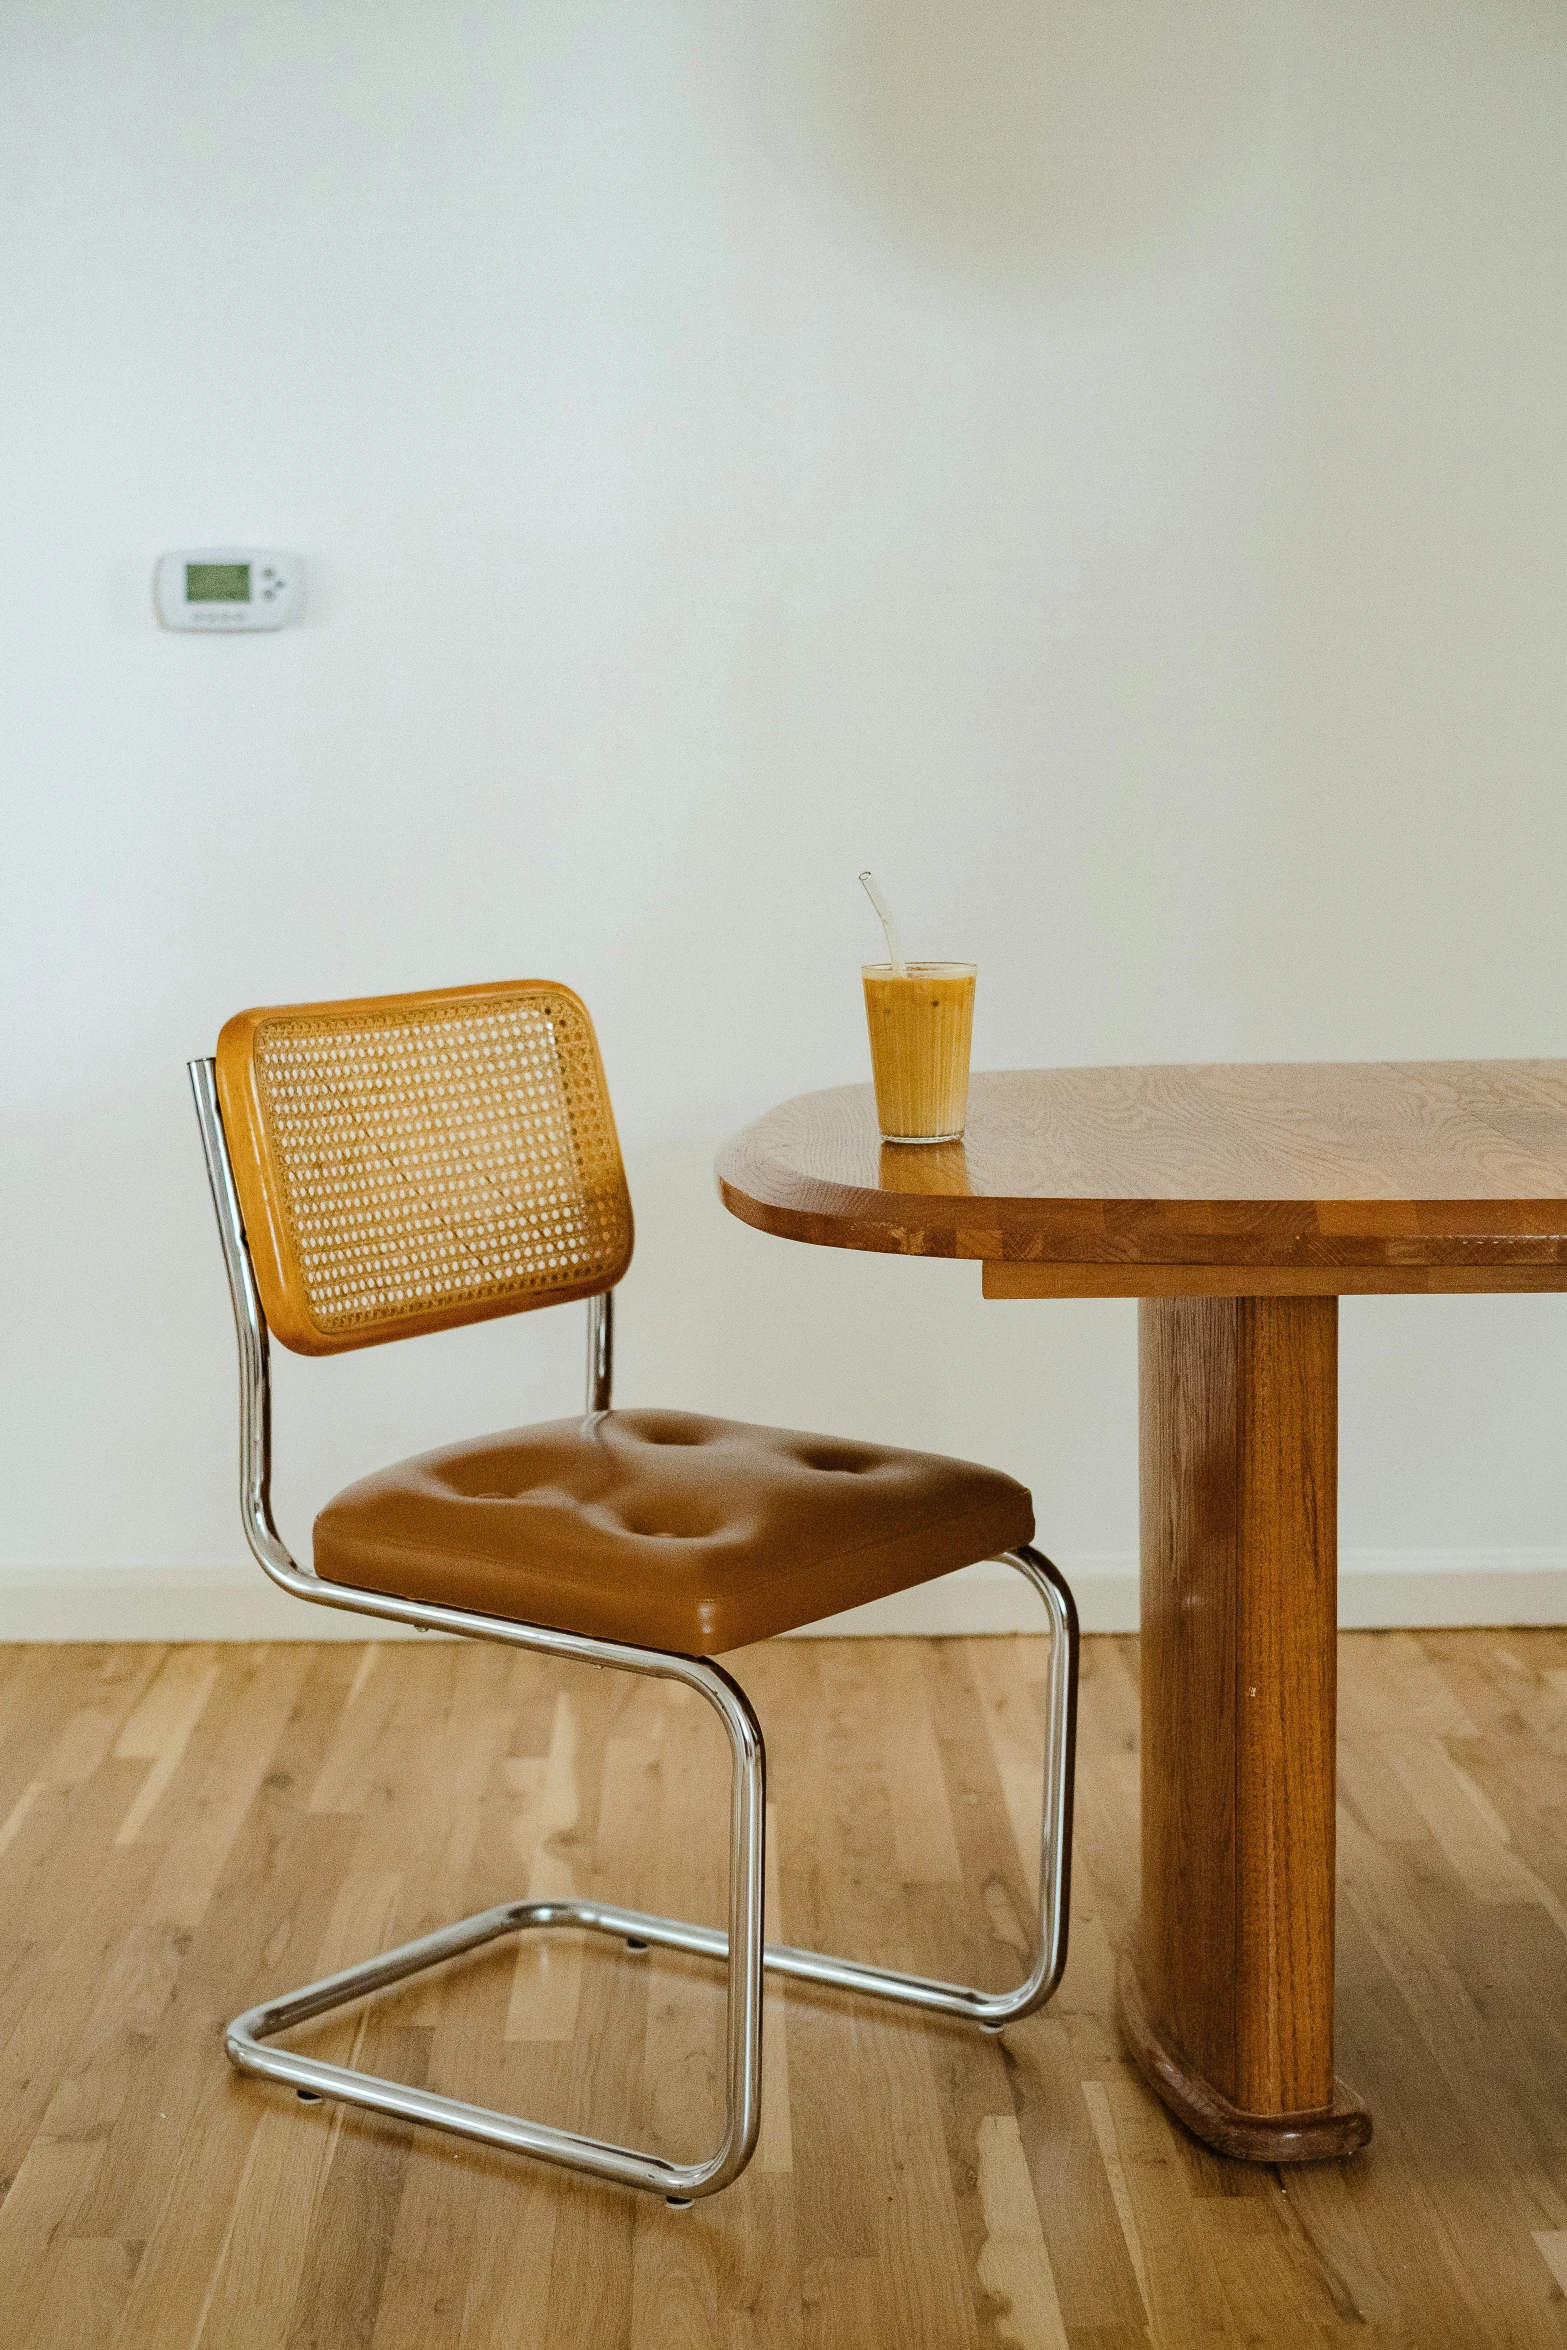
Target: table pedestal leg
<point>1227,1999</point>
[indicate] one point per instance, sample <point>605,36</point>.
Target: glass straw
<point>900,969</point>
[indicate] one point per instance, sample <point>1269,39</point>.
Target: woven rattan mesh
<point>434,1157</point>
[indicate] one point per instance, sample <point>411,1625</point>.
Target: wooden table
<point>1239,1204</point>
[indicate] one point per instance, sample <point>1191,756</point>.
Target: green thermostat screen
<point>217,583</point>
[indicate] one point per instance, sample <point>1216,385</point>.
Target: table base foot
<point>1246,2137</point>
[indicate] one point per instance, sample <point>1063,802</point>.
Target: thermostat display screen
<point>217,583</point>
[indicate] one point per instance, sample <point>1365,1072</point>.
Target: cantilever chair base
<point>742,1951</point>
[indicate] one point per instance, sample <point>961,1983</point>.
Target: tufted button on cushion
<point>665,1529</point>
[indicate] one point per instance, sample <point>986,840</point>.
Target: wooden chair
<point>405,1163</point>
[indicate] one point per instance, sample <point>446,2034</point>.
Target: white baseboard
<point>168,1603</point>
<point>1378,1590</point>
<point>993,1598</point>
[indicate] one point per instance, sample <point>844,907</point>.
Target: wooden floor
<point>183,1830</point>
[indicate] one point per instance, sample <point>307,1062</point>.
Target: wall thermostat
<point>227,587</point>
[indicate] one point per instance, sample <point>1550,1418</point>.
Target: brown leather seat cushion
<point>665,1529</point>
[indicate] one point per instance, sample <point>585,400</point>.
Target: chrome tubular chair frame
<point>741,1948</point>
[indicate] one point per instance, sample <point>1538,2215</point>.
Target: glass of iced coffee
<point>921,1019</point>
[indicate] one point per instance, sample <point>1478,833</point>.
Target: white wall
<point>1100,462</point>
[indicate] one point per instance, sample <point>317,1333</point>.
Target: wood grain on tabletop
<point>1431,1174</point>
<point>184,1831</point>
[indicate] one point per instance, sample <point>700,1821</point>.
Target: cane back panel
<point>409,1162</point>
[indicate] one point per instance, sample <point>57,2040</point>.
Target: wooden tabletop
<point>1267,1178</point>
